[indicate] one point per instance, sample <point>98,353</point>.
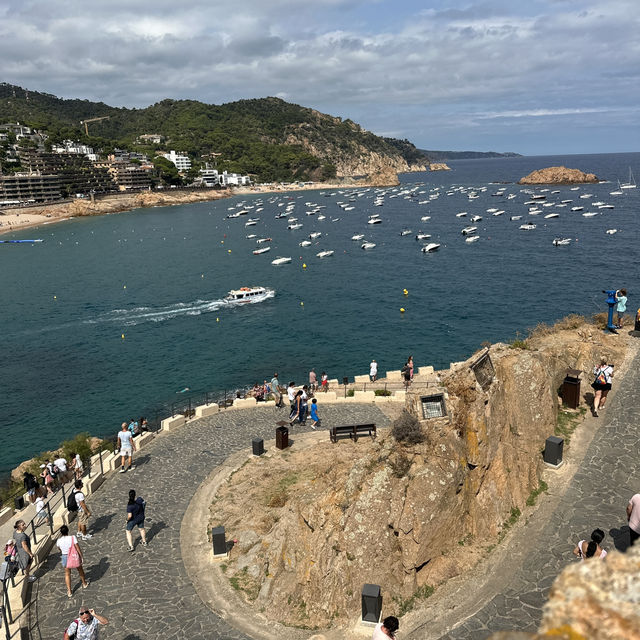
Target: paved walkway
<point>596,497</point>
<point>147,593</point>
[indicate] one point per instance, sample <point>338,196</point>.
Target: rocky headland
<point>558,175</point>
<point>439,166</point>
<point>313,525</point>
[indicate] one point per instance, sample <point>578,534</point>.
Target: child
<point>10,551</point>
<point>315,421</point>
<point>324,381</point>
<point>41,512</point>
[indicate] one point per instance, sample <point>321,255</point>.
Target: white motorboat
<point>590,214</point>
<point>257,252</point>
<point>515,218</point>
<point>305,243</point>
<point>430,248</point>
<point>251,236</point>
<point>250,223</point>
<point>368,245</point>
<point>406,232</point>
<point>279,260</point>
<point>527,226</point>
<point>615,193</point>
<point>358,236</point>
<point>467,231</point>
<point>462,214</point>
<point>315,234</point>
<point>492,210</point>
<point>561,242</point>
<point>476,218</point>
<point>374,220</point>
<point>292,227</point>
<point>611,231</point>
<point>552,215</point>
<point>324,254</point>
<point>577,208</point>
<point>471,239</point>
<point>322,217</point>
<point>261,240</point>
<point>606,206</point>
<point>425,218</point>
<point>422,236</point>
<point>249,294</point>
<point>498,213</point>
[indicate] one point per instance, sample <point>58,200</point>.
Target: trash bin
<point>371,603</point>
<point>571,389</point>
<point>282,437</point>
<point>553,451</point>
<point>257,445</point>
<point>19,503</point>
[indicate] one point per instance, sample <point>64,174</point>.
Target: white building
<point>69,146</point>
<point>209,177</point>
<point>234,180</point>
<point>182,162</point>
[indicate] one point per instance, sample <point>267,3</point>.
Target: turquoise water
<point>158,276</point>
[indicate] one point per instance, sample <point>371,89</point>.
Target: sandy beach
<point>18,219</point>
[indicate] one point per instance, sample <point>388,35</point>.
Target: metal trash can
<point>257,445</point>
<point>219,541</point>
<point>282,437</point>
<point>571,389</point>
<point>371,603</point>
<point>553,451</point>
<point>19,503</point>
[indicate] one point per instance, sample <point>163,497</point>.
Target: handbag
<point>73,558</point>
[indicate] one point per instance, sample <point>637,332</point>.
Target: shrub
<point>400,466</point>
<point>351,393</point>
<point>382,392</point>
<point>406,428</point>
<point>80,444</point>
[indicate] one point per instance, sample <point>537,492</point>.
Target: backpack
<point>72,504</point>
<point>66,636</point>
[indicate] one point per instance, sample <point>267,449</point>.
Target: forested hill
<point>268,137</point>
<point>438,156</point>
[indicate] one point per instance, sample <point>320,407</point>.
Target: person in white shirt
<point>127,447</point>
<point>83,512</point>
<point>64,543</point>
<point>386,629</point>
<point>76,465</point>
<point>86,626</point>
<point>63,470</point>
<point>41,512</point>
<point>373,370</point>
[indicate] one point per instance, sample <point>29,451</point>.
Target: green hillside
<point>268,137</point>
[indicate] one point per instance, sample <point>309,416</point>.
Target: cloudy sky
<point>535,77</point>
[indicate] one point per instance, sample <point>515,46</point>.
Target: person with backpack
<point>135,518</point>
<point>601,385</point>
<point>71,558</point>
<point>85,626</point>
<point>47,479</point>
<point>76,503</point>
<point>30,486</point>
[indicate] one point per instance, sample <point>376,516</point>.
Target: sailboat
<point>631,184</point>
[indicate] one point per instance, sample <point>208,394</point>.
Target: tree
<point>167,171</point>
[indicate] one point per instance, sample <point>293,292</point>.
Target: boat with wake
<point>245,295</point>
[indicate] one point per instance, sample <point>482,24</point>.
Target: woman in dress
<point>65,543</point>
<point>297,410</point>
<point>601,385</point>
<point>23,549</point>
<point>591,549</point>
<point>47,478</point>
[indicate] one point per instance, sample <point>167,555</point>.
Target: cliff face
<point>314,525</point>
<point>558,175</point>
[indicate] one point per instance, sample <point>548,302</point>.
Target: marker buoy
<point>401,309</point>
<point>217,319</point>
<point>122,336</point>
<point>202,275</point>
<point>406,293</point>
<point>124,286</point>
<point>304,266</point>
<point>55,297</point>
<point>228,250</point>
<point>302,304</point>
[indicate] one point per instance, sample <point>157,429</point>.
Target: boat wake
<point>140,315</point>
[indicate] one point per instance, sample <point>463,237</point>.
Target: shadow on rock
<point>620,537</point>
<point>154,530</point>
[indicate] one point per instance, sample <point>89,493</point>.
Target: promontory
<point>558,175</point>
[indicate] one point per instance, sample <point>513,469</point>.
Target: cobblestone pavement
<point>147,593</point>
<point>596,497</point>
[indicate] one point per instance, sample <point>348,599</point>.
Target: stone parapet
<point>244,403</point>
<point>362,379</point>
<point>170,424</point>
<point>205,410</point>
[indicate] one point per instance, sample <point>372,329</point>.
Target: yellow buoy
<point>406,293</point>
<point>302,304</point>
<point>228,250</point>
<point>304,266</point>
<point>217,319</point>
<point>124,286</point>
<point>221,241</point>
<point>401,309</point>
<point>122,336</point>
<point>55,297</point>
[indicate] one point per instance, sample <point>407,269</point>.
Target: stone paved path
<point>596,497</point>
<point>147,593</point>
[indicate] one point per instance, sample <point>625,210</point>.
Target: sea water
<point>112,316</point>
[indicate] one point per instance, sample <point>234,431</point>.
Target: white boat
<point>561,242</point>
<point>422,236</point>
<point>586,196</point>
<point>615,193</point>
<point>251,236</point>
<point>498,213</point>
<point>577,208</point>
<point>249,294</point>
<point>257,252</point>
<point>515,218</point>
<point>628,185</point>
<point>552,215</point>
<point>406,232</point>
<point>462,214</point>
<point>305,243</point>
<point>467,231</point>
<point>425,218</point>
<point>261,240</point>
<point>292,227</point>
<point>492,210</point>
<point>315,234</point>
<point>565,201</point>
<point>374,220</point>
<point>280,260</point>
<point>606,206</point>
<point>322,217</point>
<point>611,231</point>
<point>430,248</point>
<point>471,239</point>
<point>527,226</point>
<point>476,218</point>
<point>368,245</point>
<point>324,254</point>
<point>250,223</point>
<point>590,214</point>
<point>358,236</point>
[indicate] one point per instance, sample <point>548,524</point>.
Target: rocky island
<point>558,175</point>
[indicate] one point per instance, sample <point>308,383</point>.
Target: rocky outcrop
<point>558,175</point>
<point>439,166</point>
<point>313,526</point>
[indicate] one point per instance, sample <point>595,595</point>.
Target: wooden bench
<point>352,430</point>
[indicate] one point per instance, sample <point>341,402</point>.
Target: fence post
<point>49,514</point>
<point>33,530</point>
<point>6,608</point>
<point>101,467</point>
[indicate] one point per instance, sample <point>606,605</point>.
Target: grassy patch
<point>519,343</point>
<point>567,423</point>
<point>278,495</point>
<point>533,496</point>
<point>382,392</point>
<point>242,581</point>
<point>408,604</point>
<point>509,522</point>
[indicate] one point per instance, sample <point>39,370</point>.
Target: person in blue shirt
<point>315,420</point>
<point>135,518</point>
<point>621,305</point>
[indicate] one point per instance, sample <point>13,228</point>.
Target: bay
<point>158,277</point>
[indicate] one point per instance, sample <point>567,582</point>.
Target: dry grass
<point>568,323</point>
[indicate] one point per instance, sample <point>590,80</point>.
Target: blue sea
<point>111,317</point>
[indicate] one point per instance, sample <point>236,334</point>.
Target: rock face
<point>313,526</point>
<point>558,175</point>
<point>439,166</point>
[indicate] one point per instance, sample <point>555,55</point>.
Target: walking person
<point>592,548</point>
<point>71,558</point>
<point>601,385</point>
<point>275,390</point>
<point>127,447</point>
<point>85,626</point>
<point>324,382</point>
<point>621,306</point>
<point>406,375</point>
<point>76,465</point>
<point>135,518</point>
<point>83,511</point>
<point>42,514</point>
<point>633,516</point>
<point>315,420</point>
<point>63,472</point>
<point>47,479</point>
<point>410,365</point>
<point>30,486</point>
<point>24,556</point>
<point>313,380</point>
<point>373,371</point>
<point>386,629</point>
<point>296,409</point>
<point>291,394</point>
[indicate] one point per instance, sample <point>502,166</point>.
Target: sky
<point>536,77</point>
